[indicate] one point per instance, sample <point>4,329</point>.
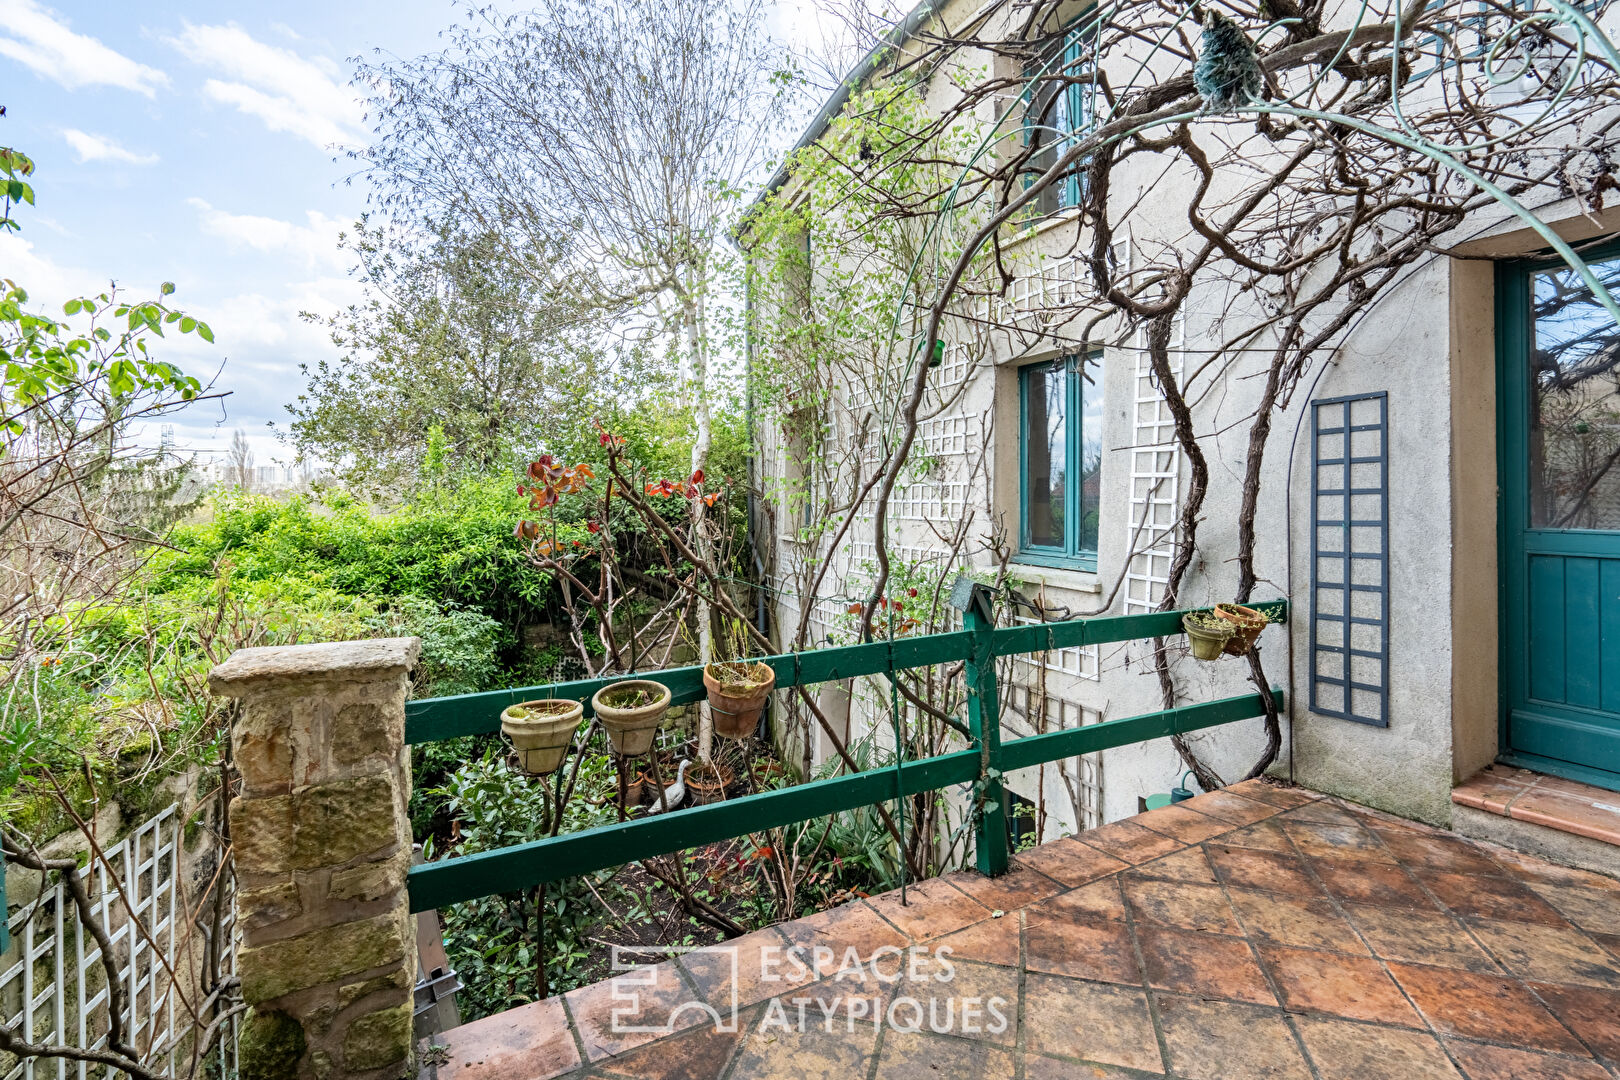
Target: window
<point>1060,461</point>
<point>1058,107</point>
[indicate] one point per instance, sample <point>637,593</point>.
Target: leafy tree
<point>451,333</point>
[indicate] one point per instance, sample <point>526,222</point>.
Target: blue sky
<point>193,143</point>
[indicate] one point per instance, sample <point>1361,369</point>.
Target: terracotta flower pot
<point>1206,641</point>
<point>541,732</point>
<point>707,785</point>
<point>735,704</point>
<point>631,728</point>
<point>1246,626</point>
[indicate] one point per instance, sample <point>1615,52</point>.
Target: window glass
<point>1057,111</point>
<point>1046,432</point>
<point>1089,379</point>
<point>1575,402</point>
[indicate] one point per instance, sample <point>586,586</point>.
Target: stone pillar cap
<point>333,659</point>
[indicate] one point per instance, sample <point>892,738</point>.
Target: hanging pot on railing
<point>541,732</point>
<point>1246,626</point>
<point>630,711</point>
<point>1207,635</point>
<point>737,694</point>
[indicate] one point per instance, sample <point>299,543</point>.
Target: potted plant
<point>1207,634</point>
<point>1246,626</point>
<point>706,782</point>
<point>738,688</point>
<point>541,731</point>
<point>631,710</point>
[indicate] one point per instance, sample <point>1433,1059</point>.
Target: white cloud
<point>299,95</point>
<point>39,38</point>
<point>90,147</point>
<point>315,244</point>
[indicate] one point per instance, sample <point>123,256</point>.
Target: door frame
<point>1512,344</point>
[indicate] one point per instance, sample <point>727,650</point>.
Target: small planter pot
<point>1246,626</point>
<point>541,732</point>
<point>737,695</point>
<point>707,785</point>
<point>644,787</point>
<point>1206,636</point>
<point>631,727</point>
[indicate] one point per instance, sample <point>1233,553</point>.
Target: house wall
<point>1428,343</point>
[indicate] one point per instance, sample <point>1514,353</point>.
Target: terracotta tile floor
<point>1256,932</point>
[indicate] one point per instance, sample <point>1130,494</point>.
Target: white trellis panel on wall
<point>1080,661</point>
<point>1082,775</point>
<point>1155,481</point>
<point>52,983</point>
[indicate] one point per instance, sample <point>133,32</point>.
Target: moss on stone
<point>378,1040</point>
<point>320,956</point>
<point>271,1044</point>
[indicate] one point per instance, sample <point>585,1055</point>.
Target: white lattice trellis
<point>52,986</point>
<point>1155,482</point>
<point>940,501</point>
<point>1082,662</point>
<point>1083,774</point>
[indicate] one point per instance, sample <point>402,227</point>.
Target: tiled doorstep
<point>1559,804</point>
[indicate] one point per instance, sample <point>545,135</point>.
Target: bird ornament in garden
<point>1227,74</point>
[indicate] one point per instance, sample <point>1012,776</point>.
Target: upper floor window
<point>1059,107</point>
<point>1060,461</point>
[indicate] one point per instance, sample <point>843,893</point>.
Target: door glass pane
<point>1091,425</point>
<point>1045,431</point>
<point>1575,403</point>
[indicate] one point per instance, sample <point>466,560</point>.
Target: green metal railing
<point>521,866</point>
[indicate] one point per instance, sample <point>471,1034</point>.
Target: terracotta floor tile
<point>1548,953</point>
<point>1493,788</point>
<point>993,941</point>
<point>1180,903</point>
<point>918,1056</point>
<point>698,1054</point>
<point>1018,886</point>
<point>1277,794</point>
<point>1420,937</point>
<point>933,908</point>
<point>1275,871</point>
<point>1590,909</point>
<point>1354,987</point>
<point>1084,949</point>
<point>1265,836</point>
<point>647,998</point>
<point>1070,862</point>
<point>1100,899</point>
<point>1579,814</point>
<point>756,965</point>
<point>1610,942</point>
<point>1500,1063</point>
<point>1324,812</point>
<point>1419,851</point>
<point>1323,840</point>
<point>829,936</point>
<point>1482,1007</point>
<point>1214,1040</point>
<point>1373,883</point>
<point>1189,865</point>
<point>1593,1014</point>
<point>1129,841</point>
<point>1344,1051</point>
<point>769,1053</point>
<point>973,1001</point>
<point>1232,806</point>
<point>1041,1067</point>
<point>531,1040</point>
<point>1180,823</point>
<point>1295,920</point>
<point>1531,869</point>
<point>1107,1024</point>
<point>1490,897</point>
<point>842,1002</point>
<point>1191,962</point>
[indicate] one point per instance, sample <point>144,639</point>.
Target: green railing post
<point>984,720</point>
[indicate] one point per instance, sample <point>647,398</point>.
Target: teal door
<point>1558,356</point>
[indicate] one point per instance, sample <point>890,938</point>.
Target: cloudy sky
<point>174,146</point>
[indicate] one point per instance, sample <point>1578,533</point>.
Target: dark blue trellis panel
<point>1350,558</point>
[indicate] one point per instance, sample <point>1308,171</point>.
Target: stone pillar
<point>322,843</point>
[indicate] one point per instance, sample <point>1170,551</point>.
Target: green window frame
<point>1055,133</point>
<point>1082,394</point>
